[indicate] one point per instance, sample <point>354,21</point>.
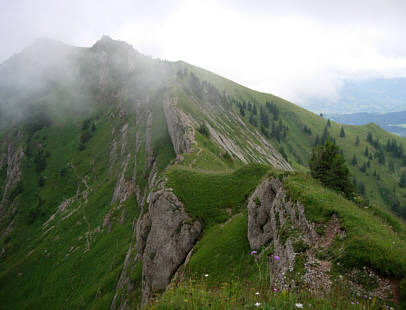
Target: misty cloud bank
<point>299,50</point>
<point>59,82</point>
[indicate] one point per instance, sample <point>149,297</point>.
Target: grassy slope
<point>77,274</point>
<point>59,268</point>
<point>298,145</point>
<point>211,194</point>
<point>374,239</point>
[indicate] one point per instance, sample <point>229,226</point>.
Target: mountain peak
<point>106,43</point>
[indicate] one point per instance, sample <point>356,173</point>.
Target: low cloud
<point>297,50</point>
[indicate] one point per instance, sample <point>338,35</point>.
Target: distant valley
<point>394,122</point>
<point>357,96</point>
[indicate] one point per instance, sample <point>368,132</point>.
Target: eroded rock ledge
<point>277,226</point>
<point>165,235</point>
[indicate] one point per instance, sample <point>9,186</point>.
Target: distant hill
<point>394,122</point>
<point>372,95</point>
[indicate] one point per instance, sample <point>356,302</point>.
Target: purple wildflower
<point>277,258</point>
<point>253,252</point>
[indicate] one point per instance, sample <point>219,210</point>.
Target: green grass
<point>298,145</point>
<point>371,240</point>
<point>55,269</point>
<point>206,197</point>
<point>224,253</point>
<point>200,294</point>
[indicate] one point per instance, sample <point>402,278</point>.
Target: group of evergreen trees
<point>328,165</point>
<point>265,118</point>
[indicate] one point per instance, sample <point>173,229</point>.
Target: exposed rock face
<point>13,158</point>
<point>270,218</point>
<point>262,152</point>
<point>268,210</point>
<point>165,235</point>
<point>180,127</point>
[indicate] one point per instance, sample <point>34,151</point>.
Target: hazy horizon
<point>294,50</point>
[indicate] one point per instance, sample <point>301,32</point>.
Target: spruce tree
<point>354,161</point>
<point>357,141</point>
<point>402,182</point>
<point>369,137</point>
<point>342,133</point>
<point>254,109</point>
<point>328,165</point>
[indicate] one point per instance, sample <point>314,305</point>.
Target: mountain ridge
<point>128,172</point>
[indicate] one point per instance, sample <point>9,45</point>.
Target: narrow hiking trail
<point>195,159</point>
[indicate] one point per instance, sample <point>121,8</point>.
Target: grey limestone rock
<point>165,236</point>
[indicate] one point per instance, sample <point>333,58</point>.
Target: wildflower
<point>352,302</point>
<point>257,304</point>
<point>257,293</point>
<point>299,306</point>
<point>206,275</point>
<point>277,258</point>
<point>253,252</point>
<point>275,289</point>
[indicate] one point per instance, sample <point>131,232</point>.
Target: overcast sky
<point>294,49</point>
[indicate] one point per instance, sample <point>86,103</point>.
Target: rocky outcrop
<point>180,127</point>
<point>275,223</point>
<point>165,236</point>
<point>13,161</point>
<point>238,139</point>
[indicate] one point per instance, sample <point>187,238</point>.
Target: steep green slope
<point>374,242</point>
<point>378,180</point>
<point>116,146</point>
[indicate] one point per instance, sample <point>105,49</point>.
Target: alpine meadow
<point>130,182</point>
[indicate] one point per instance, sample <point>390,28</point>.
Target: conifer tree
<point>328,165</point>
<point>342,133</point>
<point>264,118</point>
<point>357,141</point>
<point>354,160</point>
<point>402,182</point>
<point>369,137</point>
<point>254,109</point>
